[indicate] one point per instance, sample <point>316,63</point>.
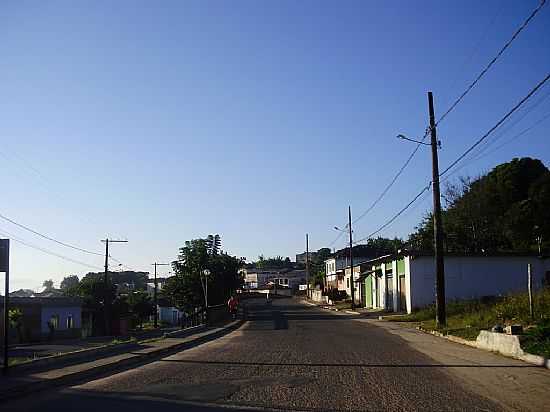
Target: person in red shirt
<point>233,305</point>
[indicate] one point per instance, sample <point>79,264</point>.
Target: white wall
<point>356,274</point>
<point>472,277</point>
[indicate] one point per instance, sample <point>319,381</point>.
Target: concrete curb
<point>525,357</point>
<point>121,365</point>
<point>42,364</point>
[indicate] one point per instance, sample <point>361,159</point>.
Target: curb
<point>121,365</point>
<point>526,357</point>
<point>87,354</point>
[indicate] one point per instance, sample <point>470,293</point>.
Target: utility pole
<point>155,300</point>
<point>307,265</point>
<point>440,313</point>
<point>351,260</point>
<point>5,267</point>
<point>106,298</point>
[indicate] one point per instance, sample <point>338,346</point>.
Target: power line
<point>502,120</point>
<point>481,155</point>
<point>500,52</point>
<point>49,252</point>
<point>48,237</point>
<point>389,222</point>
<point>451,108</point>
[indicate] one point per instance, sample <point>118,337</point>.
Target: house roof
<point>413,254</point>
<point>44,301</point>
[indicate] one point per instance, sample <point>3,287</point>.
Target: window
<point>70,321</point>
<point>347,282</point>
<point>53,323</point>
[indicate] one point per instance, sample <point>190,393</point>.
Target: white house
<point>405,281</point>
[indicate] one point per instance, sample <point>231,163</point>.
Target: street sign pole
<point>5,267</point>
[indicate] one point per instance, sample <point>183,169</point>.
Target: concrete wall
<point>473,277</point>
<point>347,282</point>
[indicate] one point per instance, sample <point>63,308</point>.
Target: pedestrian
<point>233,305</point>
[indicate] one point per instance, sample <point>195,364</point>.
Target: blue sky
<point>260,121</point>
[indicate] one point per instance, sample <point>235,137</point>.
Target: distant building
<point>291,279</point>
<point>45,318</point>
<point>301,257</point>
<point>260,278</point>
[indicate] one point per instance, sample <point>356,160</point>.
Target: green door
<point>368,291</point>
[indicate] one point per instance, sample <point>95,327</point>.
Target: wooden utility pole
<point>107,298</point>
<point>155,299</point>
<point>5,267</point>
<point>307,265</point>
<point>440,314</point>
<point>351,260</point>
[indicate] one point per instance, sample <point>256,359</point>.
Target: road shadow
<point>93,401</point>
<point>347,365</point>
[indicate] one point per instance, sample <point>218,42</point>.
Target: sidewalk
<point>502,379</point>
<point>21,381</point>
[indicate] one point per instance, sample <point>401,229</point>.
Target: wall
<point>63,312</point>
<point>473,277</point>
<point>166,314</point>
<point>347,282</point>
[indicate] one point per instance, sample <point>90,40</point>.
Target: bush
<point>337,295</point>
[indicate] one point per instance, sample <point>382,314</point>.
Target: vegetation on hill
<point>504,210</point>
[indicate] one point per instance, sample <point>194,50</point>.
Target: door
<point>402,294</point>
<point>368,292</point>
<point>389,294</point>
<point>376,291</point>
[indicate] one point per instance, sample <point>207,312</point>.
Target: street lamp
<point>206,274</point>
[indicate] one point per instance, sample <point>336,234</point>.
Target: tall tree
<point>70,285</point>
<point>185,290</point>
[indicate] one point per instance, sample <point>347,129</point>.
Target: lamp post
<point>206,274</point>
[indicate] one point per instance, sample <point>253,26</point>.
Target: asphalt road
<point>287,356</point>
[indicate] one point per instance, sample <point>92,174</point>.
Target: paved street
<point>297,357</point>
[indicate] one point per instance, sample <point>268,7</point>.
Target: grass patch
<point>466,318</point>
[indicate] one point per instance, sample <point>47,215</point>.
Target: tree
<point>140,305</point>
<point>70,285</point>
<point>185,290</point>
<point>137,279</point>
<point>48,285</point>
<point>504,210</point>
<point>15,318</point>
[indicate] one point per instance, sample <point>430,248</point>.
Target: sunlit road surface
<point>292,357</point>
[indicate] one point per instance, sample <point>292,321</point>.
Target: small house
<point>404,281</point>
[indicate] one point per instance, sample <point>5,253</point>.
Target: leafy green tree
<point>140,305</point>
<point>185,289</point>
<point>70,285</point>
<point>505,210</point>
